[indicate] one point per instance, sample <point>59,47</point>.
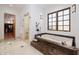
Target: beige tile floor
<point>17,47</point>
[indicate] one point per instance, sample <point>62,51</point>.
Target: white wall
<point>34,14</point>
<point>18,21</point>
<point>74,21</point>
<point>36,10</point>
<point>77,25</point>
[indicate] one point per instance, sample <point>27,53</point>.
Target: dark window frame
<point>61,20</point>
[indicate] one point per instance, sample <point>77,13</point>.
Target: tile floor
<point>17,47</point>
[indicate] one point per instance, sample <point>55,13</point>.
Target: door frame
<point>26,15</point>
<point>13,24</point>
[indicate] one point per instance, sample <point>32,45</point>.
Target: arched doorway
<point>26,26</point>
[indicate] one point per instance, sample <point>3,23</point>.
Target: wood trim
<point>70,19</point>
<point>47,21</point>
<point>59,10</point>
<point>57,20</point>
<point>14,26</point>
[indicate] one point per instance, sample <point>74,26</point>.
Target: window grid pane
<point>50,23</point>
<point>66,17</point>
<point>54,27</point>
<point>66,12</point>
<point>50,16</point>
<point>66,27</point>
<point>60,13</point>
<point>50,19</point>
<point>54,23</point>
<point>60,20</point>
<point>54,19</point>
<point>54,14</point>
<point>66,23</point>
<point>60,27</point>
<point>50,27</point>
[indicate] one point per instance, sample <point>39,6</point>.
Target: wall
<point>34,16</point>
<point>18,21</point>
<point>36,11</point>
<point>74,21</point>
<point>77,25</point>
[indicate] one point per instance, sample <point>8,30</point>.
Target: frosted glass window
<point>60,27</point>
<point>54,19</point>
<point>50,27</point>
<point>54,14</point>
<point>50,16</point>
<point>66,27</point>
<point>66,11</point>
<point>50,23</point>
<point>54,27</point>
<point>60,18</point>
<point>60,23</point>
<point>60,13</point>
<point>50,20</point>
<point>66,22</point>
<point>66,17</point>
<point>54,23</point>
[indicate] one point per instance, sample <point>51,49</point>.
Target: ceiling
<point>46,6</point>
<point>20,7</point>
<point>14,6</point>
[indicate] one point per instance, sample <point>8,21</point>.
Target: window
<point>59,20</point>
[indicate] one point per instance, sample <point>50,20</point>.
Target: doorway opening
<point>26,26</point>
<point>9,26</point>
